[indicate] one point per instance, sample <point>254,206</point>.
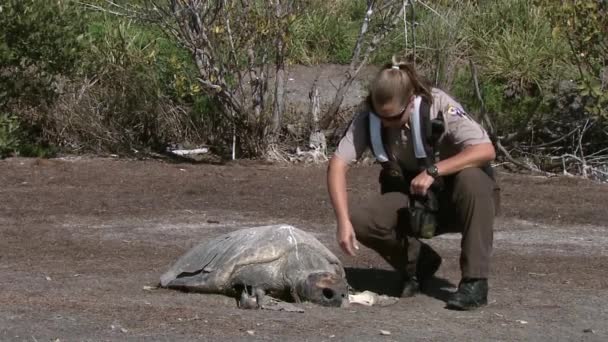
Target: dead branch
<point>484,114</point>
<point>520,164</point>
<point>391,11</point>
<point>413,24</point>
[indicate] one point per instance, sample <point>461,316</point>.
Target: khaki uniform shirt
<point>460,131</point>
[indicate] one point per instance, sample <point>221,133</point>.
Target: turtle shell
<point>273,258</point>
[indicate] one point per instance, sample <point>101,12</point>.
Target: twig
<point>413,23</point>
<point>556,140</point>
<point>405,3</point>
<point>484,114</point>
<point>362,31</point>
<point>435,12</point>
<point>598,152</point>
<point>518,163</point>
<point>580,147</point>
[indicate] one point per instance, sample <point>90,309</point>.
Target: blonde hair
<point>397,80</point>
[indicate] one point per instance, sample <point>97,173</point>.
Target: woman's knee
<point>378,217</point>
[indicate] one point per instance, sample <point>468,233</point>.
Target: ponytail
<point>398,80</point>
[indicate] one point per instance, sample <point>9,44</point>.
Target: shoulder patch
<point>457,112</point>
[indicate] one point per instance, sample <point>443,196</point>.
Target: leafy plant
<point>38,41</point>
<point>9,134</point>
<point>584,24</point>
<point>324,35</point>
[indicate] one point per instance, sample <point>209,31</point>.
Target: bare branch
<point>357,64</point>
<point>484,114</point>
<point>518,163</point>
<point>362,31</point>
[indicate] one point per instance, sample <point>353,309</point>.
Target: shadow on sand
<point>390,283</point>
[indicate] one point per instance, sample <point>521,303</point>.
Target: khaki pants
<point>468,203</point>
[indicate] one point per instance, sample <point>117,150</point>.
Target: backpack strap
<point>375,137</point>
<point>421,133</point>
<point>425,133</point>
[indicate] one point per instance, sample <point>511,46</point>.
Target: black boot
<point>427,265</point>
<point>411,287</point>
<point>471,294</point>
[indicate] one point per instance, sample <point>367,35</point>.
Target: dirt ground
<point>81,237</point>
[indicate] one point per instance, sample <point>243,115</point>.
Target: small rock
<point>48,278</point>
<point>522,321</point>
<point>589,330</point>
<point>251,332</point>
<point>385,332</point>
<point>149,288</point>
<point>332,336</point>
<point>124,331</point>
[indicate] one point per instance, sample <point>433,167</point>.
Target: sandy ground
<point>81,237</point>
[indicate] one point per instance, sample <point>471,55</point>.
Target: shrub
<point>39,40</point>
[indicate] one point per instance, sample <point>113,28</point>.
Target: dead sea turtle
<point>280,261</point>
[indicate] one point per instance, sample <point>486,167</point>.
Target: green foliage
<point>438,42</point>
<point>18,140</point>
<point>518,62</point>
<point>512,41</point>
<point>584,24</point>
<point>118,42</point>
<point>139,81</point>
<point>326,32</point>
<point>90,81</point>
<point>9,134</point>
<point>38,40</point>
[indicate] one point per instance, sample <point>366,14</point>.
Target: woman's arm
<point>472,156</point>
<point>336,185</point>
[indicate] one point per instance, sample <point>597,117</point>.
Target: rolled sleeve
<point>463,131</point>
<point>355,141</point>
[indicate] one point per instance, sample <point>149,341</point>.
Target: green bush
<point>90,81</point>
<point>38,41</point>
<point>583,25</point>
<point>9,134</point>
<point>135,90</point>
<point>326,32</point>
<point>16,140</point>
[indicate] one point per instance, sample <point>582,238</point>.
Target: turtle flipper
<point>245,299</point>
<point>294,295</point>
<point>270,303</point>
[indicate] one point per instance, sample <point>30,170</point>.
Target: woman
<point>461,179</point>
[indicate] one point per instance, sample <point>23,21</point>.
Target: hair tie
<point>395,67</point>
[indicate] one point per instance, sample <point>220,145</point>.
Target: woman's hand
<point>421,184</point>
<point>346,238</point>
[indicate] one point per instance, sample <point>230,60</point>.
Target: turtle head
<point>324,288</point>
